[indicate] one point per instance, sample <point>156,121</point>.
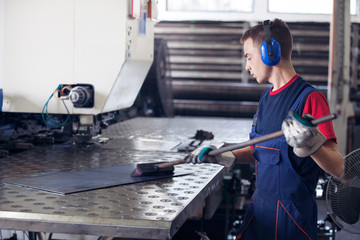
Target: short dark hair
<point>279,31</point>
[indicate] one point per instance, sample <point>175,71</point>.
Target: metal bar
<point>266,137</point>
<point>169,164</point>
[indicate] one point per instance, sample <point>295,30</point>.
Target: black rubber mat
<point>86,180</point>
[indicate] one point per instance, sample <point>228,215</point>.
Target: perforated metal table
<point>148,210</point>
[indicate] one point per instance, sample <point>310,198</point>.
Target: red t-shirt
<point>317,105</point>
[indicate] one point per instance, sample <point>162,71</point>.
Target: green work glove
<point>200,155</point>
<point>302,135</point>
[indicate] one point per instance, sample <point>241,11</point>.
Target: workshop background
<point>90,89</point>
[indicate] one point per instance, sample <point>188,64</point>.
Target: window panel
<point>307,6</point>
<point>210,5</point>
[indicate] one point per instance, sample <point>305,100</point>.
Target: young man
<point>287,168</point>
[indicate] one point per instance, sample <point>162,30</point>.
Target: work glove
<point>200,155</point>
<point>302,135</point>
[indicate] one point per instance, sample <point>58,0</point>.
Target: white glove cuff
<point>312,146</point>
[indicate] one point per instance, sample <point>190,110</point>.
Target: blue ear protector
<point>270,48</point>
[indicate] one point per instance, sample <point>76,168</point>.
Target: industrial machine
<point>90,57</point>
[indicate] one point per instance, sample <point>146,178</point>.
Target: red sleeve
<point>317,105</point>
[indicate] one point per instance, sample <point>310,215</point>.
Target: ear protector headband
<point>270,48</point>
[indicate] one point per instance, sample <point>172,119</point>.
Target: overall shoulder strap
<point>300,101</point>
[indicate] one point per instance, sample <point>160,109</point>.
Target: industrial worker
<point>287,168</point>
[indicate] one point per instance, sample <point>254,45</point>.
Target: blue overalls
<point>283,206</point>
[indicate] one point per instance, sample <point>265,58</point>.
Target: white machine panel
<point>95,42</point>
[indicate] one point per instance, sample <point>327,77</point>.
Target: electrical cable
<point>48,120</point>
<point>54,94</point>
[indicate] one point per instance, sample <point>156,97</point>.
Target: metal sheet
<point>86,180</point>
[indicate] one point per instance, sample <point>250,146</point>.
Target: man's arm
<point>244,155</point>
<point>329,158</point>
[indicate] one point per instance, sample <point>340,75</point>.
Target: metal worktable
<point>148,210</point>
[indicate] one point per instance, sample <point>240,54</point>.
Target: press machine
<point>75,59</point>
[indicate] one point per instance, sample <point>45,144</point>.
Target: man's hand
<point>200,155</point>
<point>302,135</point>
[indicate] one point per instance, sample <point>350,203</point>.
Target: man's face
<point>254,64</point>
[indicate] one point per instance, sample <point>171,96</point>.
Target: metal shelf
<point>205,61</point>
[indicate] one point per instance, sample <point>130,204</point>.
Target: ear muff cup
<point>266,56</point>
